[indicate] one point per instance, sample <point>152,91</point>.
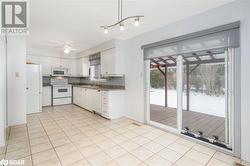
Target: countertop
<point>101,87</point>
<point>98,87</point>
<point>46,84</point>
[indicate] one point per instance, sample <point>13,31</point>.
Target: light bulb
<point>121,27</point>
<point>106,31</point>
<point>66,50</point>
<point>137,23</point>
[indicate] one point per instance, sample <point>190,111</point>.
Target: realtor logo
<point>14,17</point>
<point>14,14</point>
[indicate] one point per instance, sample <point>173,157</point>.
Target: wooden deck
<point>210,125</point>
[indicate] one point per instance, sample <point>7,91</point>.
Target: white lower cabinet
<point>46,96</point>
<point>89,99</point>
<point>113,103</point>
<point>96,99</point>
<point>109,104</point>
<point>76,97</point>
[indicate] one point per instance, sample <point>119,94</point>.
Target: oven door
<point>62,91</point>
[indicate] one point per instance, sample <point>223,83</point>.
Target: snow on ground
<point>199,102</point>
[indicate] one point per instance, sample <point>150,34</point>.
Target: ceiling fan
<point>66,47</point>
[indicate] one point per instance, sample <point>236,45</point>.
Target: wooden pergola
<point>191,61</point>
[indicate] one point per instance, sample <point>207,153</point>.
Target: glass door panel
<point>205,110</point>
<point>163,94</point>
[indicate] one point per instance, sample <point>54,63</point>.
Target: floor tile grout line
<point>29,145</point>
<point>50,141</point>
<point>186,156</point>
<point>210,159</point>
<point>69,140</point>
<point>15,143</point>
<point>7,144</point>
<point>40,144</point>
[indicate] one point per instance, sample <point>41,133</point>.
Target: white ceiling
<point>80,20</point>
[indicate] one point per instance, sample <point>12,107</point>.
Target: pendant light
<point>120,22</point>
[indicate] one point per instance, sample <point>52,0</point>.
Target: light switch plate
<point>17,74</point>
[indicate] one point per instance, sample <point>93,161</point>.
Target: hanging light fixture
<point>121,20</point>
<point>122,27</point>
<point>106,31</point>
<point>137,23</point>
<point>66,49</point>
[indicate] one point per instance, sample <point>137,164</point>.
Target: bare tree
<point>209,77</point>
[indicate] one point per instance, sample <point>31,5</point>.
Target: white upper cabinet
<point>55,62</point>
<point>108,62</point>
<point>112,61</point>
<point>70,64</point>
<point>76,67</point>
<point>72,67</point>
<point>83,67</point>
<point>46,65</point>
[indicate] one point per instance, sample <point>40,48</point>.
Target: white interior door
<point>33,88</point>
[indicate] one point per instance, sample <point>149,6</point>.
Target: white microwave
<point>60,71</point>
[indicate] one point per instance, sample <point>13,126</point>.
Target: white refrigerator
<point>34,88</point>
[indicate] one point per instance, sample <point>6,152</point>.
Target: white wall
<point>2,90</point>
<point>239,10</point>
<point>16,80</point>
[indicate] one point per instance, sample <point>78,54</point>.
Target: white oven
<point>62,91</point>
<point>58,71</point>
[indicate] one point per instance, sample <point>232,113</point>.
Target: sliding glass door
<point>191,94</point>
<point>190,86</point>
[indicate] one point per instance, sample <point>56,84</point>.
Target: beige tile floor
<point>69,135</point>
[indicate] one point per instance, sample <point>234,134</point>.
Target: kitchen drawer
<point>105,96</point>
<point>62,101</point>
<point>105,107</point>
<point>105,100</point>
<point>105,111</point>
<point>105,104</point>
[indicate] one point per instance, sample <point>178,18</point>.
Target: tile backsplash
<point>120,81</point>
<point>46,80</point>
